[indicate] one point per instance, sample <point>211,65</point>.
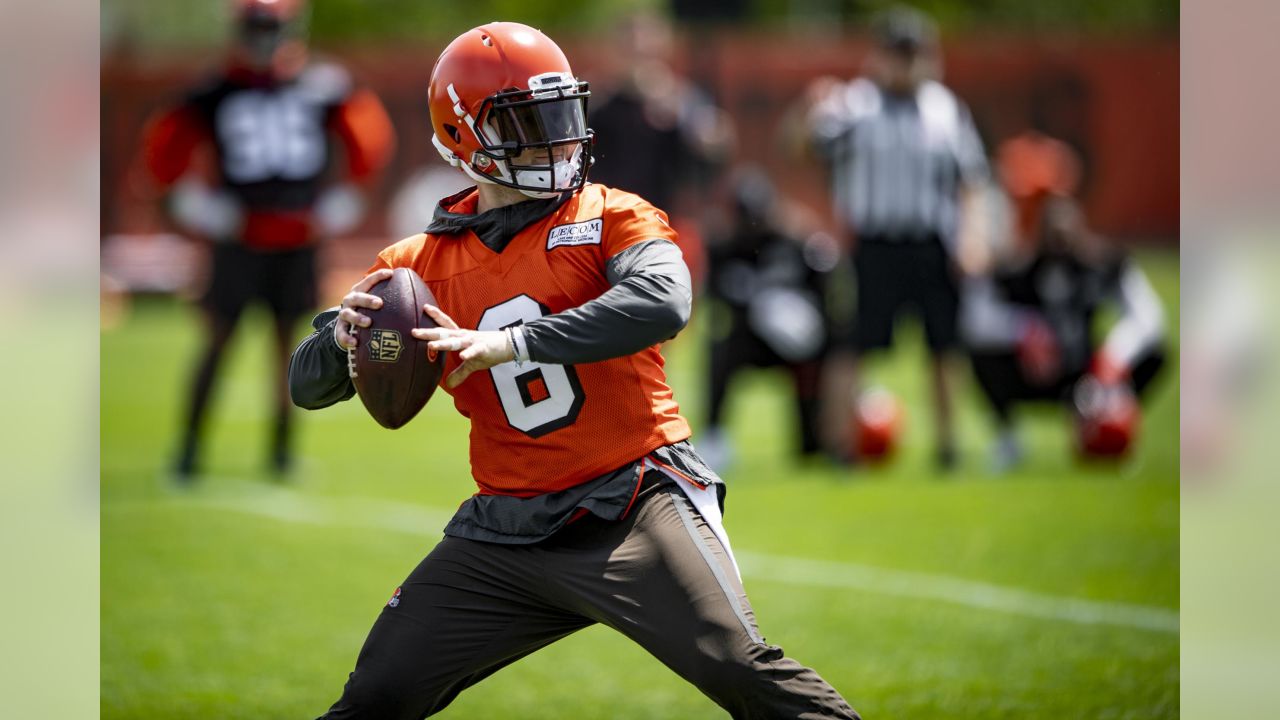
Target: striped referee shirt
<point>897,162</point>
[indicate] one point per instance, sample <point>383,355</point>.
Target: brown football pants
<point>659,576</point>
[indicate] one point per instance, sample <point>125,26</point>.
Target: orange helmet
<point>500,90</point>
<point>1107,418</point>
<point>265,26</point>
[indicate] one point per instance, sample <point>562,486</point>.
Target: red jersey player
<point>554,295</point>
<point>246,161</point>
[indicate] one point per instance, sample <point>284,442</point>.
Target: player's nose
<point>561,153</point>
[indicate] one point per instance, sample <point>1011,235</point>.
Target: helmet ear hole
<point>453,132</point>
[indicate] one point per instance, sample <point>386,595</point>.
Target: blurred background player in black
<point>658,135</point>
<point>260,161</point>
<point>766,292</point>
<point>1031,323</point>
<point>906,169</point>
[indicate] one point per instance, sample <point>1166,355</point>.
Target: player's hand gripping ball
<point>394,372</point>
<point>477,349</point>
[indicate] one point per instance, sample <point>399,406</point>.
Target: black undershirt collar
<point>495,227</point>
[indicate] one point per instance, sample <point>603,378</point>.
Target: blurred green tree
<point>204,23</point>
<point>150,23</point>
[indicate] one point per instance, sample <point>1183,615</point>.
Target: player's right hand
<point>349,316</point>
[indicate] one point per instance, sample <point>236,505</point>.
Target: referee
<point>905,163</point>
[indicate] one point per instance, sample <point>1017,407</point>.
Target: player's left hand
<point>477,349</point>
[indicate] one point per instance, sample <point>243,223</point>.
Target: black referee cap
<point>904,30</point>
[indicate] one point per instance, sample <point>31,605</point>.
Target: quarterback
<point>554,295</point>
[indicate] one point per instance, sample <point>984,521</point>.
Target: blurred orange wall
<point>1116,100</point>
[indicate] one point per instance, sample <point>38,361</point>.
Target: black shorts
<point>285,280</point>
<point>892,275</point>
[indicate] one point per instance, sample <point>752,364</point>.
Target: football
<point>878,422</point>
<point>1107,419</point>
<point>393,371</point>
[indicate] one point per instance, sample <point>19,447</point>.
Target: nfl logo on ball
<point>384,346</point>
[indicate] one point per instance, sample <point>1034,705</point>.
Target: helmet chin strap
<point>562,173</point>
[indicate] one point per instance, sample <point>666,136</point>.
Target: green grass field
<point>1048,593</point>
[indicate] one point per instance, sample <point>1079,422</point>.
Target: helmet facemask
<point>535,141</point>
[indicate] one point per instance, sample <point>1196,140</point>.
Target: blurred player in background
<point>767,285</point>
<point>658,135</point>
<point>1030,322</point>
<point>905,165</point>
<point>261,161</point>
<point>592,506</point>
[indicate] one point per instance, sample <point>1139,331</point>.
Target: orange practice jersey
<point>541,428</point>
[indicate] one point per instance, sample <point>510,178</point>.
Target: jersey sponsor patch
<point>587,232</point>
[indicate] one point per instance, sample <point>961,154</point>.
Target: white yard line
<point>958,591</point>
<point>290,506</point>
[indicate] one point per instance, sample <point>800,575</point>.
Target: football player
<point>1030,329</point>
<point>247,163</point>
<point>554,295</point>
<point>767,290</point>
<point>659,136</point>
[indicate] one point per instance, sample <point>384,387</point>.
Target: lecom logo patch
<point>586,232</point>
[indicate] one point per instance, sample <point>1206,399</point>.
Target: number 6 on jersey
<point>537,398</point>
